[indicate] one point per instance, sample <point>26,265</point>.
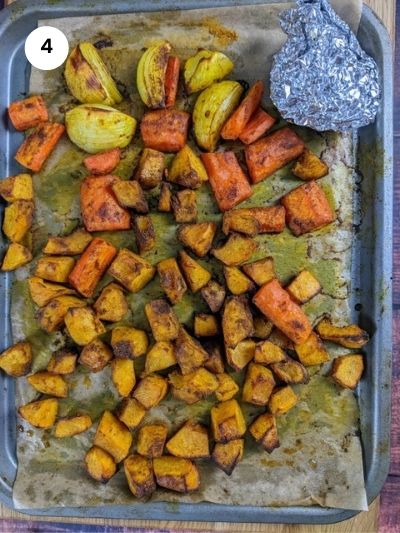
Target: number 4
<point>46,46</point>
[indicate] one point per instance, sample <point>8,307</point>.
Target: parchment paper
<point>320,458</point>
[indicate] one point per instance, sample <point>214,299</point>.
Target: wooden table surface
<point>383,515</point>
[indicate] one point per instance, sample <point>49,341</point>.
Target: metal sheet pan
<point>371,271</point>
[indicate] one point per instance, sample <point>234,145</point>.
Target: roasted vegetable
<point>162,319</point>
<point>103,162</point>
<point>171,279</point>
<point>62,362</point>
<point>189,352</point>
<point>351,336</point>
<point>214,294</point>
<point>68,427</point>
<point>82,325</point>
<point>236,281</point>
<point>254,220</point>
<point>262,327</point>
<point>144,233</point>
<point>258,385</point>
<point>16,361</point>
<point>171,80</point>
<point>111,305</point>
<point>165,198</point>
<point>227,421</point>
<point>151,440</point>
<point>73,244</point>
<point>205,325</point>
<point>18,218</point>
<point>50,384</point>
<point>123,376</point>
<point>131,413</point>
<point>312,351</point>
<point>113,437</point>
<point>236,123</point>
<point>215,362</point>
<point>264,431</point>
<point>227,388</point>
<point>227,456</point>
<point>280,339</point>
<point>190,441</point>
<point>261,271</point>
<point>87,77</point>
<point>267,352</point>
<point>159,357</point>
<point>150,169</point>
<point>259,123</point>
<point>187,170</point>
<point>290,371</point>
<point>151,390</point>
<point>282,400</point>
<point>193,387</point>
<point>41,414</point>
<point>16,256</point>
<point>237,321</point>
<point>205,68</point>
<point>241,355</point>
<point>347,370</point>
<point>131,270</point>
<point>176,473</point>
<point>196,276</point>
<point>99,464</point>
<point>212,108</point>
<point>55,268</point>
<point>198,237</point>
<point>236,250</point>
<point>309,166</point>
<point>17,187</point>
<point>28,113</point>
<point>184,206</point>
<point>38,146</point>
<point>140,476</point>
<point>51,316</point>
<point>130,194</point>
<point>128,342</point>
<point>151,73</point>
<point>165,130</point>
<point>95,356</point>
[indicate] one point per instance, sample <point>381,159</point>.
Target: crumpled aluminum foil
<point>321,78</point>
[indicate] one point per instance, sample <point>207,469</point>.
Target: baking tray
<point>371,269</point>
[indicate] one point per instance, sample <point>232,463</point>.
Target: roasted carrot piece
<point>28,113</point>
<point>236,123</point>
<point>36,148</point>
<point>103,163</point>
<point>276,304</point>
<point>227,179</point>
<point>259,123</point>
<point>99,206</point>
<point>165,130</point>
<point>91,266</point>
<point>171,80</point>
<point>269,154</point>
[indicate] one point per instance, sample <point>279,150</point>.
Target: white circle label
<point>46,48</point>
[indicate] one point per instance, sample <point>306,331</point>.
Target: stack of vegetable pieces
<point>64,283</point>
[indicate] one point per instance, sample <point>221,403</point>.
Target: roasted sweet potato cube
<point>290,371</point>
<point>16,361</point>
<point>73,244</point>
<point>99,464</point>
<point>37,147</point>
<point>264,431</point>
<point>151,440</point>
<point>189,352</point>
<point>68,427</point>
<point>123,376</point>
<point>236,250</point>
<point>176,473</point>
<point>205,325</point>
<point>56,268</point>
<point>140,476</point>
<point>42,292</point>
<point>184,206</point>
<point>261,271</point>
<point>236,281</point>
<point>282,400</point>
<point>129,342</point>
<point>151,168</point>
<point>258,384</point>
<point>262,327</point>
<point>165,198</point>
<point>190,441</point>
<point>111,305</point>
<point>51,316</point>
<point>159,357</point>
<point>171,279</point>
<point>198,237</point>
<point>187,170</point>
<point>215,362</point>
<point>347,370</point>
<point>41,414</point>
<point>95,356</point>
<point>240,355</point>
<point>48,383</point>
<point>131,270</point>
<point>312,351</point>
<point>62,362</point>
<point>195,274</point>
<point>227,456</point>
<point>103,162</point>
<point>254,220</point>
<point>227,388</point>
<point>131,413</point>
<point>351,336</point>
<point>162,319</point>
<point>17,187</point>
<point>16,256</point>
<point>193,387</point>
<point>113,437</point>
<point>18,218</point>
<point>237,321</point>
<point>267,352</point>
<point>309,166</point>
<point>144,233</point>
<point>165,130</point>
<point>227,421</point>
<point>28,113</point>
<point>304,287</point>
<point>214,295</point>
<point>82,325</point>
<point>151,390</point>
<point>130,194</point>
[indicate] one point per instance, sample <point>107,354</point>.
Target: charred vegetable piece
<point>16,256</point>
<point>165,130</point>
<point>128,342</point>
<point>267,352</point>
<point>73,244</point>
<point>151,440</point>
<point>160,357</point>
<point>198,237</point>
<point>62,362</point>
<point>312,351</point>
<point>131,270</point>
<point>309,166</point>
<point>351,336</point>
<point>259,123</point>
<point>151,74</point>
<point>281,340</point>
<point>111,305</point>
<point>205,325</point>
<point>151,390</point>
<point>113,437</point>
<point>214,295</point>
<point>145,234</point>
<point>165,198</point>
<point>227,421</point>
<point>16,361</point>
<point>215,362</point>
<point>50,384</point>
<point>187,170</point>
<point>95,356</point>
<point>237,321</point>
<point>171,81</point>
<point>236,281</point>
<point>258,385</point>
<point>82,325</point>
<point>236,250</point>
<point>68,427</point>
<point>171,279</point>
<point>264,431</point>
<point>205,68</point>
<point>103,162</point>
<point>37,147</point>
<point>189,352</point>
<point>130,194</point>
<point>18,218</point>
<point>176,473</point>
<point>254,220</point>
<point>51,316</point>
<point>151,168</point>
<point>140,476</point>
<point>261,271</point>
<point>17,187</point>
<point>347,370</point>
<point>184,206</point>
<point>162,319</point>
<point>99,464</point>
<point>262,327</point>
<point>55,268</point>
<point>193,387</point>
<point>290,371</point>
<point>282,400</point>
<point>123,376</point>
<point>227,456</point>
<point>241,355</point>
<point>28,113</point>
<point>236,123</point>
<point>227,388</point>
<point>131,413</point>
<point>196,276</point>
<point>190,442</point>
<point>40,414</point>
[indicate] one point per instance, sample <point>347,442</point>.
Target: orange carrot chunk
<point>100,208</point>
<point>165,130</point>
<point>259,123</point>
<point>236,123</point>
<point>36,148</point>
<point>28,113</point>
<point>104,162</point>
<point>275,303</point>
<point>269,154</point>
<point>227,179</point>
<point>91,266</point>
<point>171,80</point>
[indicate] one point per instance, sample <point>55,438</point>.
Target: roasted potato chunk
<point>176,473</point>
<point>267,352</point>
<point>254,220</point>
<point>347,370</point>
<point>99,464</point>
<point>198,237</point>
<point>73,244</point>
<point>227,456</point>
<point>62,362</point>
<point>351,336</point>
<point>171,279</point>
<point>184,206</point>
<point>193,387</point>
<point>241,355</point>
<point>214,295</point>
<point>163,321</point>
<point>196,276</point>
<point>237,321</point>
<point>15,257</point>
<point>41,414</point>
<point>236,250</point>
<point>264,431</point>
<point>187,170</point>
<point>189,352</point>
<point>123,376</point>
<point>258,385</point>
<point>130,194</point>
<point>82,325</point>
<point>151,440</point>
<point>262,327</point>
<point>68,427</point>
<point>205,325</point>
<point>131,413</point>
<point>159,357</point>
<point>55,268</point>
<point>17,187</point>
<point>282,400</point>
<point>236,281</point>
<point>165,198</point>
<point>290,371</point>
<point>145,233</point>
<point>227,388</point>
<point>131,270</point>
<point>113,437</point>
<point>151,390</point>
<point>16,361</point>
<point>215,362</point>
<point>190,441</point>
<point>18,218</point>
<point>129,342</point>
<point>151,168</point>
<point>261,271</point>
<point>227,421</point>
<point>50,384</point>
<point>111,305</point>
<point>51,316</point>
<point>304,287</point>
<point>309,166</point>
<point>140,476</point>
<point>312,351</point>
<point>42,292</point>
<point>95,356</point>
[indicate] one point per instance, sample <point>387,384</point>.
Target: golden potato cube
<point>62,362</point>
<point>193,387</point>
<point>205,325</point>
<point>42,292</point>
<point>312,351</point>
<point>267,352</point>
<point>144,233</point>
<point>189,352</point>
<point>236,281</point>
<point>18,218</point>
<point>214,295</point>
<point>130,194</point>
<point>227,456</point>
<point>68,427</point>
<point>187,170</point>
<point>73,244</point>
<point>129,342</point>
<point>111,305</point>
<point>41,414</point>
<point>16,256</point>
<point>151,390</point>
<point>309,166</point>
<point>151,168</point>
<point>290,371</point>
<point>304,287</point>
<point>227,388</point>
<point>184,206</point>
<point>258,385</point>
<point>241,221</point>
<point>241,355</point>
<point>51,316</point>
<point>264,431</point>
<point>176,473</point>
<point>131,270</point>
<point>123,376</point>
<point>236,250</point>
<point>227,421</point>
<point>139,475</point>
<point>215,361</point>
<point>50,384</point>
<point>171,279</point>
<point>237,320</point>
<point>190,441</point>
<point>99,464</point>
<point>165,198</point>
<point>261,271</point>
<point>159,357</point>
<point>262,327</point>
<point>162,319</point>
<point>16,361</point>
<point>131,413</point>
<point>82,325</point>
<point>17,187</point>
<point>350,336</point>
<point>347,370</point>
<point>151,440</point>
<point>196,275</point>
<point>55,268</point>
<point>198,237</point>
<point>113,437</point>
<point>282,400</point>
<point>95,356</point>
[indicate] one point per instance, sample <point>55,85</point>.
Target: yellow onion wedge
<point>97,127</point>
<point>150,75</point>
<point>204,69</point>
<point>212,109</point>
